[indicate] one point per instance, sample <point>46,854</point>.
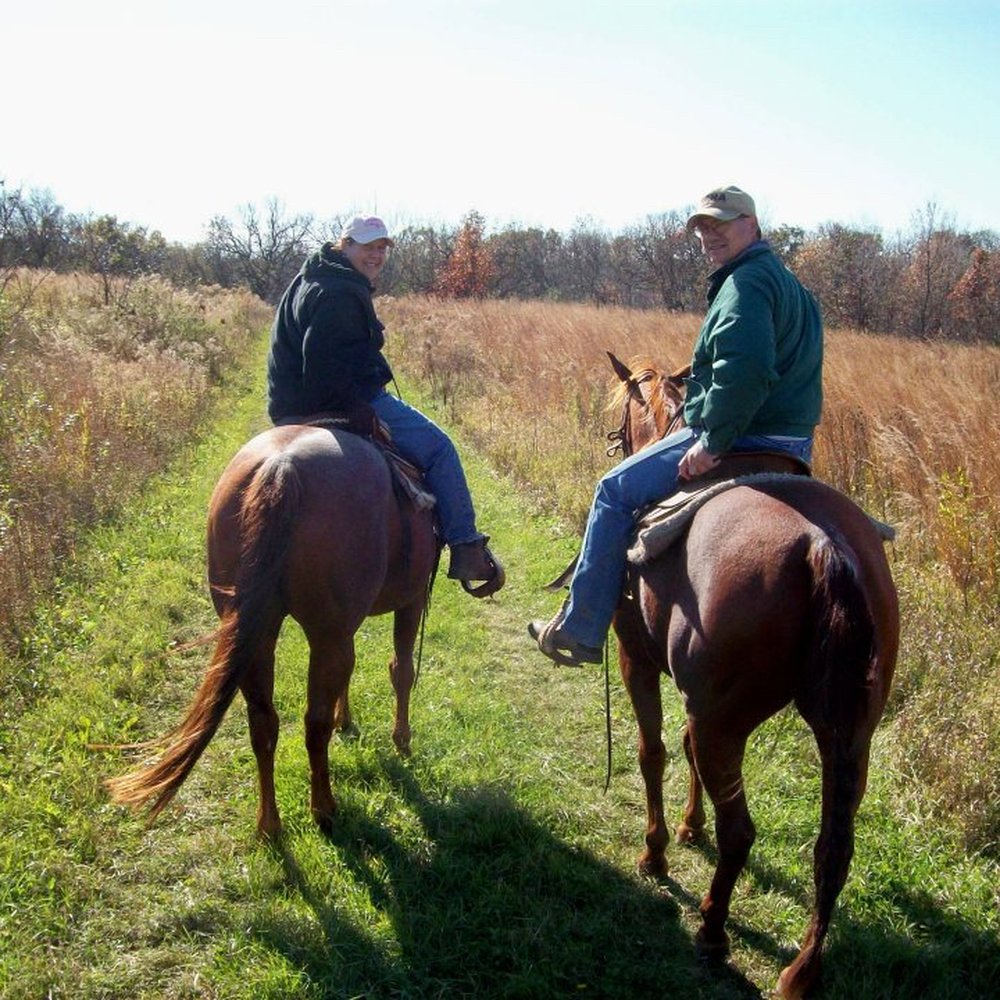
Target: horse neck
<point>662,414</point>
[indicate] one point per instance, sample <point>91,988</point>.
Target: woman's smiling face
<point>368,258</point>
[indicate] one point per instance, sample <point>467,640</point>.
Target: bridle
<point>621,438</point>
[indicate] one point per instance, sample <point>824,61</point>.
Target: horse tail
<point>844,643</point>
<point>267,515</point>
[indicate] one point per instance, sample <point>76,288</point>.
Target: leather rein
<point>621,439</point>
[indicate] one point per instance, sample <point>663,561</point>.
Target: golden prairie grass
<point>908,430</point>
<point>93,399</point>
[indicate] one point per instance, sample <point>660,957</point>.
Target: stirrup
<point>493,584</point>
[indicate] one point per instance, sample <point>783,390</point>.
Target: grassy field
<point>908,430</point>
<point>491,863</point>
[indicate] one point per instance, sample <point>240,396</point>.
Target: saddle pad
<point>663,524</point>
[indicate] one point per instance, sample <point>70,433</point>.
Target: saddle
<point>662,523</point>
<point>407,478</point>
<point>659,526</point>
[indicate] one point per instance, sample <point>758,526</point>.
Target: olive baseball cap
<point>724,204</point>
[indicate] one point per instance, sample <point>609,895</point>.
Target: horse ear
<point>621,369</point>
<point>678,376</point>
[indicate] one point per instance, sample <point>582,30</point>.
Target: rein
<point>423,620</point>
<point>621,441</point>
<point>621,438</point>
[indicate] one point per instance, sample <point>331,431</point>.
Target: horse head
<point>650,402</point>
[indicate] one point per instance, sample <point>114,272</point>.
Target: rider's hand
<point>697,460</point>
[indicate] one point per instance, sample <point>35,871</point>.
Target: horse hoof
<point>269,833</point>
<point>350,732</point>
<point>323,812</point>
<point>685,834</point>
<point>796,980</point>
<point>710,948</point>
<point>325,822</point>
<point>652,865</point>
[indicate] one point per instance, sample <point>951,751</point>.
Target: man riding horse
<point>755,384</point>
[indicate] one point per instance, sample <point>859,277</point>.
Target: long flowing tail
<point>844,638</point>
<point>267,516</point>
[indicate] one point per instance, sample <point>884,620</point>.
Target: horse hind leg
<point>692,825</point>
<point>642,681</point>
<point>718,755</point>
<point>406,625</point>
<point>257,686</point>
<point>331,663</point>
<point>845,773</point>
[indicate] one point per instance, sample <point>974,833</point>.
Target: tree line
<point>933,281</point>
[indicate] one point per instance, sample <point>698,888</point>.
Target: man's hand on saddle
<point>697,460</point>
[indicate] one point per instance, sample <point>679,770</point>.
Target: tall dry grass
<point>93,399</point>
<point>908,427</point>
<point>908,430</point>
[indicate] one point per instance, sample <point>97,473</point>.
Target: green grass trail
<point>491,863</point>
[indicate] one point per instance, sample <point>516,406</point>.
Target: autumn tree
<point>938,257</point>
<point>582,267</point>
<point>671,260</point>
<point>845,268</point>
<point>116,252</point>
<point>469,269</point>
<point>419,255</point>
<point>525,262</point>
<point>974,302</point>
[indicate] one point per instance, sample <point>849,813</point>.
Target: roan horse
<point>306,522</point>
<point>778,593</point>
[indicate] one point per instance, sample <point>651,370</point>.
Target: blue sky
<point>539,113</point>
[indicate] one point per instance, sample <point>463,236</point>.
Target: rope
<point>423,621</point>
<point>607,712</point>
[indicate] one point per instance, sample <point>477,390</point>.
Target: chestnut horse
<point>780,592</point>
<point>306,522</point>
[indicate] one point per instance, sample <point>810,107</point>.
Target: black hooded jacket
<point>326,341</point>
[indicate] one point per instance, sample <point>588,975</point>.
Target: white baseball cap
<point>366,229</point>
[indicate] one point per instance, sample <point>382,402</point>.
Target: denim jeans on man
<point>422,442</point>
<point>643,479</point>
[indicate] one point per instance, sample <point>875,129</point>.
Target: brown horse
<point>780,592</point>
<point>306,522</point>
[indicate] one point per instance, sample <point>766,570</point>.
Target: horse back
<point>352,548</point>
<point>733,605</point>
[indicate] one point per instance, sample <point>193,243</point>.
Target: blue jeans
<point>423,443</point>
<point>644,478</point>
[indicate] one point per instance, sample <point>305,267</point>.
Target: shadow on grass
<point>495,906</point>
<point>490,904</point>
<point>938,956</point>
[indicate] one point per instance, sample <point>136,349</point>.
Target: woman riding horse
<point>326,356</point>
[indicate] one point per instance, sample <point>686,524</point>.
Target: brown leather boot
<point>558,646</point>
<point>474,561</point>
